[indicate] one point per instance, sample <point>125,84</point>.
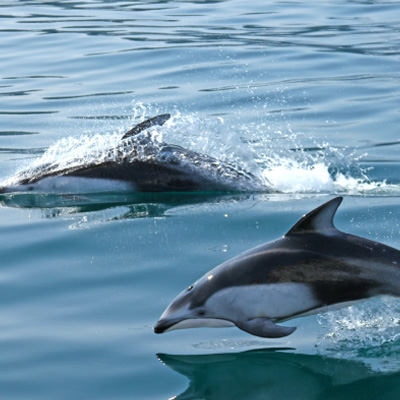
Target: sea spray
<point>363,332</point>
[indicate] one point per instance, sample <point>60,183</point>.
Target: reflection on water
<point>279,374</point>
<point>105,206</point>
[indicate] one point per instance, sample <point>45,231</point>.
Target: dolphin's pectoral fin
<point>148,123</point>
<point>264,327</point>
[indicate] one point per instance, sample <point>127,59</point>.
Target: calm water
<point>304,94</point>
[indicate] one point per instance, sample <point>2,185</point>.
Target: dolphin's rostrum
<point>136,162</point>
<point>311,269</point>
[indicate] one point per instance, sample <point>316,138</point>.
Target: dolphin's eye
<point>190,288</point>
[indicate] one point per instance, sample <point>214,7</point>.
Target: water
<point>303,94</point>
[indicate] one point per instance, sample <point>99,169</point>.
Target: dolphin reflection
<point>126,205</point>
<point>280,374</point>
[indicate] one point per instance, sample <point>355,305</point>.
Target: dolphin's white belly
<point>73,184</point>
<point>274,301</point>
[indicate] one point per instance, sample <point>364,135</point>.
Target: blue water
<point>303,94</point>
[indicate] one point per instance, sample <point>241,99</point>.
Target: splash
<point>277,159</point>
<point>368,331</point>
<point>291,176</point>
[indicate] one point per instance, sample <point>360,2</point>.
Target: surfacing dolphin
<point>311,269</point>
<point>137,162</point>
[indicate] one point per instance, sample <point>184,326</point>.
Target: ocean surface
<point>305,95</point>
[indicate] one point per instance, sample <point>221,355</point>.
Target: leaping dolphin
<point>136,163</point>
<point>311,269</point>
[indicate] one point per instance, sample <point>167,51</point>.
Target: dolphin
<point>313,268</point>
<point>136,163</point>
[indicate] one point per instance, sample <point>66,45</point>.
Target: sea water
<point>305,95</point>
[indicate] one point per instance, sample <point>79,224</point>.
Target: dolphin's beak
<point>164,324</point>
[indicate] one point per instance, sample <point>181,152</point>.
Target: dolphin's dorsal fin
<point>148,123</point>
<point>319,220</point>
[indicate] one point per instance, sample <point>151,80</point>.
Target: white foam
<point>291,176</point>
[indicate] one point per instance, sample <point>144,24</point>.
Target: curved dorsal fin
<point>148,123</point>
<point>319,220</point>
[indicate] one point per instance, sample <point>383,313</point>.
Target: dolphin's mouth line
<point>165,325</point>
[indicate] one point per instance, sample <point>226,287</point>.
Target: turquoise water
<point>304,94</point>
